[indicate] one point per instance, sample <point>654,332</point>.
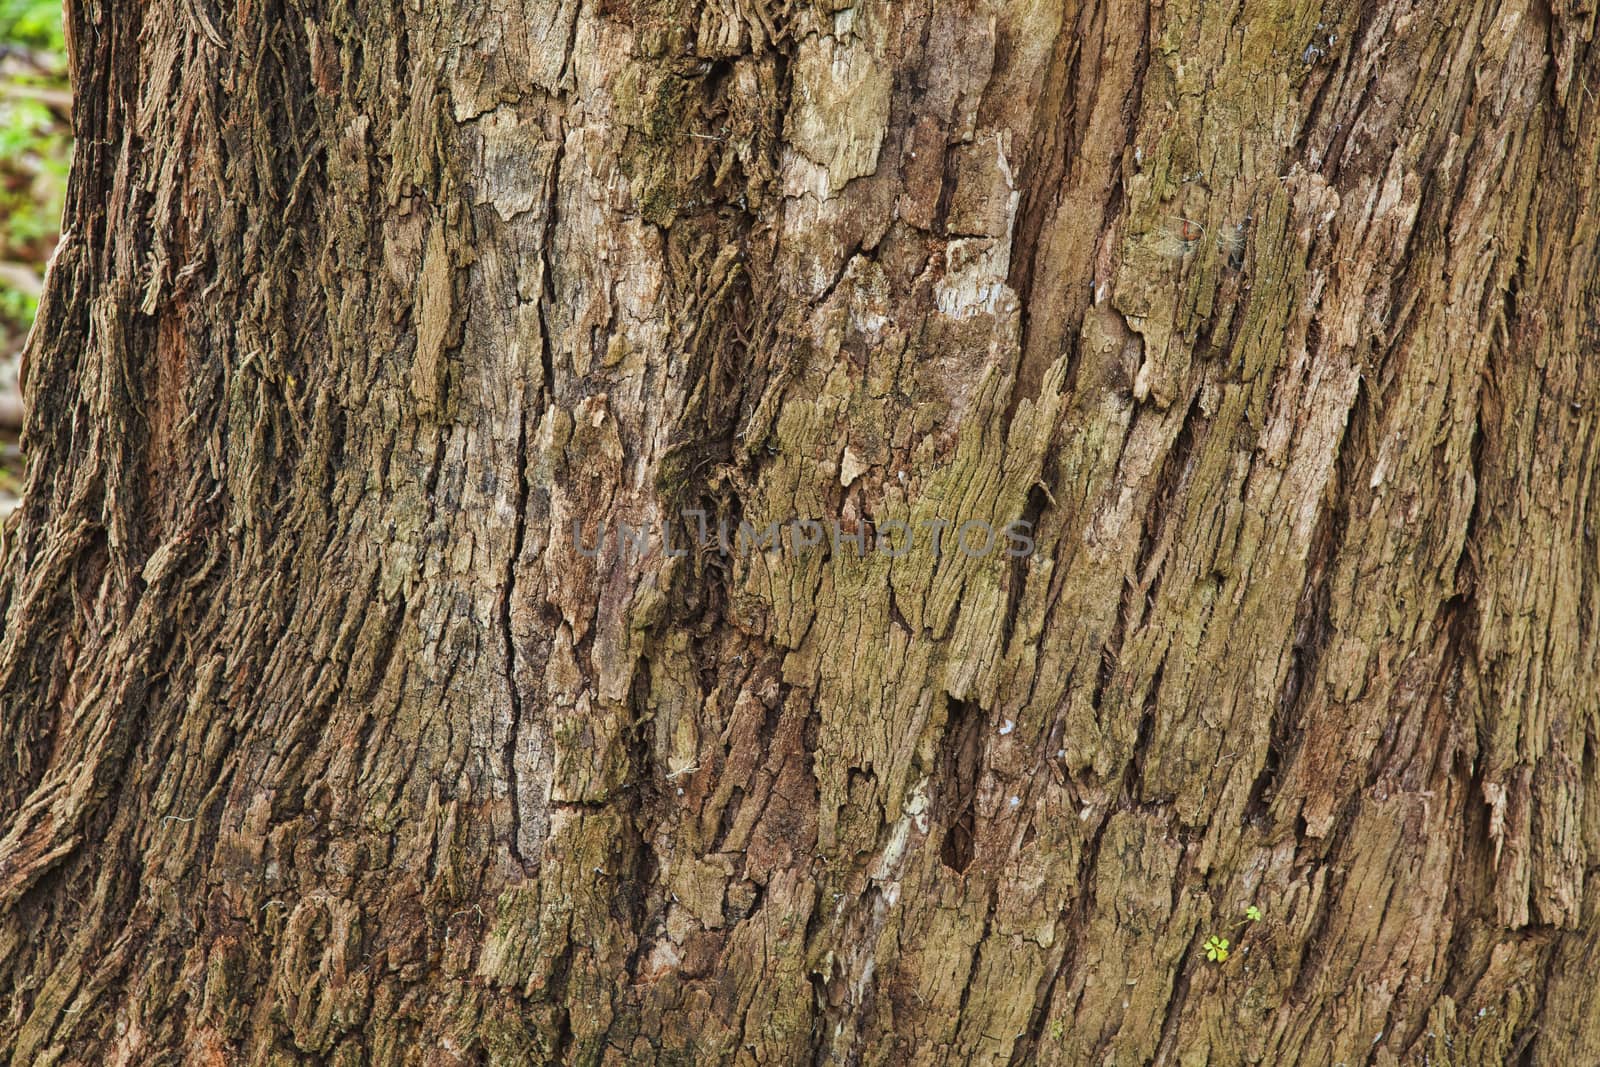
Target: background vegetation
<point>35,149</point>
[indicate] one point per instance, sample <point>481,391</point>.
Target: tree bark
<point>326,738</point>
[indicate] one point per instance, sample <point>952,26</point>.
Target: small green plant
<point>1217,949</point>
<point>1253,913</point>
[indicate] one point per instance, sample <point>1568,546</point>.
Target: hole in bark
<point>716,77</point>
<point>1133,775</point>
<point>958,770</point>
<point>730,812</point>
<point>956,852</point>
<point>1311,633</point>
<point>1018,578</point>
<point>897,617</point>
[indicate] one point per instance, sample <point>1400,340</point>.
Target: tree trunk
<point>327,737</point>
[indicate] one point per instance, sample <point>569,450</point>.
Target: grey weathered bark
<point>324,741</point>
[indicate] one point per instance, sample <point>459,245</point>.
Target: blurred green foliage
<point>35,150</point>
<point>31,23</point>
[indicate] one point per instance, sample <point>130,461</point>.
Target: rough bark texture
<point>323,742</point>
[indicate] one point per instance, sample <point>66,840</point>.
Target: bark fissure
<point>508,636</point>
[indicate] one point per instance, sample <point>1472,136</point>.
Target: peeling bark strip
<point>323,741</point>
